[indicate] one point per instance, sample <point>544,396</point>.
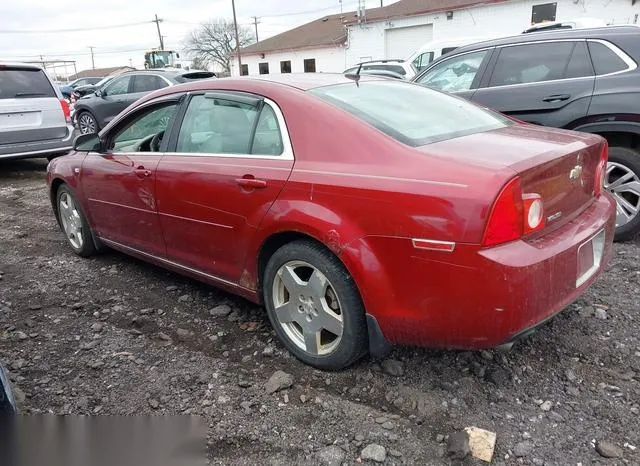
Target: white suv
<point>35,120</point>
<point>398,67</point>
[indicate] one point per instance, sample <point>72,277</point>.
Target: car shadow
<point>23,168</point>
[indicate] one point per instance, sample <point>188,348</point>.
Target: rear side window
<point>16,83</point>
<point>147,83</point>
<point>532,63</point>
<point>414,115</point>
<point>605,60</point>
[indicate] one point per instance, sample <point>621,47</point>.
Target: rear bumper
<point>481,298</point>
<point>42,148</point>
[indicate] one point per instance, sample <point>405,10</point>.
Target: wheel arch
<point>617,133</point>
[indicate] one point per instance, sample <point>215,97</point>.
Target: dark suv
<point>95,110</point>
<point>581,79</point>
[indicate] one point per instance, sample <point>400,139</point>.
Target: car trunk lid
<point>558,165</point>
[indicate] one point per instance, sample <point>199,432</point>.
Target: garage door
<point>402,42</point>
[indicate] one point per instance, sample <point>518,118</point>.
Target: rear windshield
<point>412,114</point>
<point>16,83</point>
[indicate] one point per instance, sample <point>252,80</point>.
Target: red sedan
<point>359,212</point>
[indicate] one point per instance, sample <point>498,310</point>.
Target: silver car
<point>35,120</point>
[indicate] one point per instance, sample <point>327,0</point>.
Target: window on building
<point>263,68</point>
<point>285,66</point>
<point>605,60</point>
<point>244,71</point>
<point>310,65</point>
<point>543,12</point>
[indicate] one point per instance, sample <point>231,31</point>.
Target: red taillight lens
<point>513,215</point>
<point>66,110</point>
<point>505,220</point>
<point>601,170</point>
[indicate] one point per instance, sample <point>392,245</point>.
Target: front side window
<point>456,74</point>
<point>118,86</point>
<point>605,60</point>
<point>524,64</point>
<point>414,115</point>
<point>422,60</point>
<point>144,132</point>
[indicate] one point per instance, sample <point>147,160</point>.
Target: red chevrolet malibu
<point>360,212</point>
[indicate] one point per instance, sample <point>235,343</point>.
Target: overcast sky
<point>117,46</point>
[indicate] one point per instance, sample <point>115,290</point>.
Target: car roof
<point>20,64</point>
<point>587,33</point>
<point>303,81</point>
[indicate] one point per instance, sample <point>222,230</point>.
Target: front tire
<point>314,306</point>
<point>74,224</point>
<point>622,181</point>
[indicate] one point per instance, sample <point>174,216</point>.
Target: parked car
<point>94,111</point>
<point>7,402</point>
<point>84,82</point>
<point>409,216</point>
<point>401,67</point>
<point>434,49</point>
<point>81,91</point>
<point>581,79</point>
<point>35,119</point>
<point>375,72</point>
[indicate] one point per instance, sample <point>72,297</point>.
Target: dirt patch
<point>113,335</point>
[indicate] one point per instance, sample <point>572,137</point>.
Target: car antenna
<point>356,76</point>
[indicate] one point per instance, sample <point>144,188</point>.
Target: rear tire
<point>314,306</point>
<point>624,163</point>
<point>87,123</point>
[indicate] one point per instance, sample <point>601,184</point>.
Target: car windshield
<point>103,81</point>
<point>412,114</point>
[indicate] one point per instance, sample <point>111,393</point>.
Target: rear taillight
<point>513,215</point>
<point>66,110</point>
<point>601,170</point>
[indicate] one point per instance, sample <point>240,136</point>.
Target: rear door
<point>30,110</point>
<point>547,83</point>
<point>231,158</point>
<point>145,83</point>
<point>460,74</point>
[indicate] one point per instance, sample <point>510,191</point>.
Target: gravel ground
<point>113,335</point>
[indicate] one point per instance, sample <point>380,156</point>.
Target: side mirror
<point>87,143</point>
<point>98,93</point>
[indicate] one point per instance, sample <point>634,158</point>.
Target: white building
<point>398,30</point>
<point>336,42</point>
<point>313,47</point>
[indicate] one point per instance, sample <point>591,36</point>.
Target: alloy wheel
<point>307,308</point>
<point>624,186</point>
<point>71,221</point>
<point>87,124</point>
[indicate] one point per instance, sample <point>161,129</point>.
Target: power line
<point>54,31</point>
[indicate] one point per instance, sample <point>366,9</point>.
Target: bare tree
<point>214,42</point>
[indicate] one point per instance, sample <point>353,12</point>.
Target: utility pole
<point>158,21</point>
<point>255,23</point>
<point>235,26</point>
<point>93,63</point>
<point>381,5</point>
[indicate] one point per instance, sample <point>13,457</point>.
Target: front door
<point>547,83</point>
<point>114,98</point>
<point>230,160</point>
<point>119,185</point>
